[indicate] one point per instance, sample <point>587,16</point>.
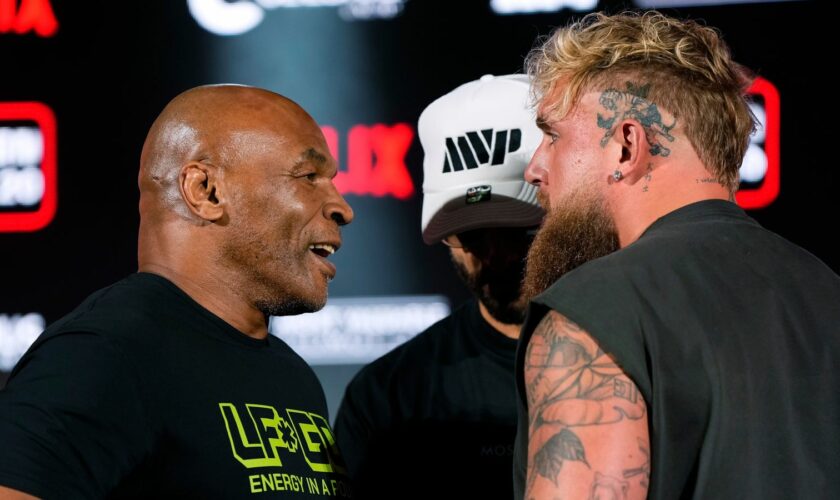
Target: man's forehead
<point>318,157</point>
<point>300,148</point>
<point>312,155</point>
<point>297,135</point>
<point>549,112</point>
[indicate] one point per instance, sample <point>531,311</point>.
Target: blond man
<point>697,357</point>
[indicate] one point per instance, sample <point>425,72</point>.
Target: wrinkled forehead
<point>289,146</point>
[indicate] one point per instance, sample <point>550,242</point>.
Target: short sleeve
<point>72,422</point>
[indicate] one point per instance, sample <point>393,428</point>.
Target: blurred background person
<point>440,409</point>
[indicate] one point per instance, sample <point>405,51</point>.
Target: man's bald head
<point>237,197</point>
<point>202,125</point>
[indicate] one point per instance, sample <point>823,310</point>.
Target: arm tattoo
<point>643,470</point>
<point>564,445</point>
<point>608,488</point>
<point>571,382</point>
<point>632,103</point>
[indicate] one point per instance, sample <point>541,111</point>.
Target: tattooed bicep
<point>585,414</point>
<point>560,333</point>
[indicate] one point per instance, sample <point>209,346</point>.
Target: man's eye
<point>552,138</point>
<point>311,177</point>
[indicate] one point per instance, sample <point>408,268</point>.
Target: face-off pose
<point>443,405</point>
<point>167,384</point>
<point>694,356</point>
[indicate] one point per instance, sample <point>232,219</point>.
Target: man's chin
<point>291,306</point>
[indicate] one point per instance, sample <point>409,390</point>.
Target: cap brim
<point>500,211</point>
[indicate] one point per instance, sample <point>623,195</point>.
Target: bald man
<point>167,384</point>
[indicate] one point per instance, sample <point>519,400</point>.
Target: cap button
<point>486,78</point>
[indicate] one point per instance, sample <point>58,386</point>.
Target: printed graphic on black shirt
<point>263,436</point>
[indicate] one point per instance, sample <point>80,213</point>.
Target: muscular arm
<point>10,494</point>
<point>587,431</point>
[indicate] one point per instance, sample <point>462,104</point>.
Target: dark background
<point>112,66</point>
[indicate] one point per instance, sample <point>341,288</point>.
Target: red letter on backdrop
<point>375,160</point>
<point>390,145</point>
<point>33,15</point>
<point>7,15</point>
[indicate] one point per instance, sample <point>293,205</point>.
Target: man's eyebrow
<point>311,155</point>
<point>542,124</point>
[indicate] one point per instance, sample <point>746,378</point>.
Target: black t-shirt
<point>435,417</point>
<point>142,393</point>
<point>732,334</point>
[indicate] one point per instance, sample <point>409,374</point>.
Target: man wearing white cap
<point>441,409</point>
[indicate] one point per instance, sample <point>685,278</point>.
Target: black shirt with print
<point>142,393</point>
<point>732,335</point>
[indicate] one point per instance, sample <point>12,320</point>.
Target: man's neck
<point>635,212</point>
<point>216,297</point>
<point>507,329</point>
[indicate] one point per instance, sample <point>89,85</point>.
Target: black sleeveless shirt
<point>732,334</point>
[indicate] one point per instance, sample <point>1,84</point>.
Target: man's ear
<point>634,156</point>
<point>200,186</point>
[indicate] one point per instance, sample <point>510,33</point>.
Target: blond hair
<point>686,68</point>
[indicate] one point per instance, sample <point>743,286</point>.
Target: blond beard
<point>574,232</point>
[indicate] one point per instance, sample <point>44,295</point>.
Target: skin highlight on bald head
<point>201,125</point>
<point>236,194</point>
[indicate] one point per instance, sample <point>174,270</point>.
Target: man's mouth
<point>323,249</point>
<point>321,252</point>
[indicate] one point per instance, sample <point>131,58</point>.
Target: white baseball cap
<point>477,141</point>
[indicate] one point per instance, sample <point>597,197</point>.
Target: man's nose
<point>535,172</point>
<point>338,209</point>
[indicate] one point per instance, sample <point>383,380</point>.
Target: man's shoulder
<point>597,272</point>
<point>123,308</point>
<point>734,243</point>
<point>658,246</point>
<point>603,287</point>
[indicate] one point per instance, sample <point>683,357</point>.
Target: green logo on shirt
<point>257,439</point>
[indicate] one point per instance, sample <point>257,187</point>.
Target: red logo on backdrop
<point>32,16</point>
<point>375,160</point>
<point>28,172</point>
<point>768,190</point>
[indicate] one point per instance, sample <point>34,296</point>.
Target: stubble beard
<point>271,294</point>
<point>575,231</point>
<point>289,307</point>
<point>499,288</point>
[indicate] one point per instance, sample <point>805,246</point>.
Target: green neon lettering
<point>313,444</point>
<point>255,484</point>
<point>312,486</point>
<point>267,483</point>
<point>269,433</point>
